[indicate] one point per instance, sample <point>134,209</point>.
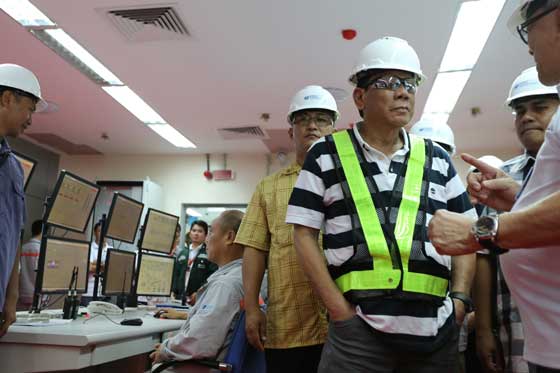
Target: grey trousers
<point>352,346</point>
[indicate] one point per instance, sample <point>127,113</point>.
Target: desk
<point>80,345</point>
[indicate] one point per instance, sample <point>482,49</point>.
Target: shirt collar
<point>522,162</point>
<point>291,169</point>
<point>192,248</point>
<point>4,146</point>
<point>364,145</point>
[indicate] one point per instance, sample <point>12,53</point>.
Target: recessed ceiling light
<point>134,103</point>
<point>25,13</point>
<point>173,136</point>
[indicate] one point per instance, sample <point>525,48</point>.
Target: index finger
<point>483,167</point>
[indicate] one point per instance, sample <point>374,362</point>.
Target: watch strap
<point>467,301</point>
<point>491,246</point>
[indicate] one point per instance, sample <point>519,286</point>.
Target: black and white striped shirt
<point>316,203</point>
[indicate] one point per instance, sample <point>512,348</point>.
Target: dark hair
<point>36,227</point>
<point>18,92</point>
<point>202,224</point>
<point>538,4</point>
<point>97,225</point>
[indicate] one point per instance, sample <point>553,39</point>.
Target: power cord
<point>101,314</point>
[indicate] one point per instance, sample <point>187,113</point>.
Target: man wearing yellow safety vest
<point>373,189</point>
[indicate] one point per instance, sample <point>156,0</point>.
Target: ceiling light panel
<point>25,13</point>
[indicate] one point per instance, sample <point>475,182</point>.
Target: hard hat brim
<point>353,79</point>
<point>541,92</point>
<point>41,106</point>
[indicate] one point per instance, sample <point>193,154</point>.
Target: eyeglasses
<point>321,120</point>
<point>393,83</point>
<point>523,29</point>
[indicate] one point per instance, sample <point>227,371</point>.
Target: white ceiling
<point>249,57</point>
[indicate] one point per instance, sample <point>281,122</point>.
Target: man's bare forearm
<point>463,268</point>
<point>483,293</point>
<point>314,266</point>
<point>254,265</point>
<point>531,227</point>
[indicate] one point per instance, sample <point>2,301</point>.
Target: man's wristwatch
<point>467,301</point>
<point>485,231</point>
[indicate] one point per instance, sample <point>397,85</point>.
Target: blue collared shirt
<point>12,213</point>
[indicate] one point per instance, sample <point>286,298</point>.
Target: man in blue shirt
<point>20,97</point>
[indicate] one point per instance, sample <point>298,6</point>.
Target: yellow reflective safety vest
<point>385,274</point>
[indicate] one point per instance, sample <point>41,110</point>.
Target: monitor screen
<point>119,270</point>
<point>61,256</point>
<point>72,202</point>
<point>159,231</point>
<point>124,218</point>
<point>155,275</point>
<point>28,166</point>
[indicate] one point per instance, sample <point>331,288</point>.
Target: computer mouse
<point>132,322</point>
<point>158,314</point>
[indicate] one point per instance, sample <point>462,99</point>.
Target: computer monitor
<point>119,271</point>
<point>155,275</point>
<point>72,202</point>
<point>124,218</point>
<point>28,166</point>
<point>61,256</point>
<point>159,231</point>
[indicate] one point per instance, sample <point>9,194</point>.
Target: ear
<point>291,132</point>
<point>230,237</point>
<point>358,96</point>
<point>5,98</point>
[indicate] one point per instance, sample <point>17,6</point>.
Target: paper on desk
<point>52,322</point>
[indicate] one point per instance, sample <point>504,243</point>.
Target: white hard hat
<point>518,16</point>
<point>15,76</point>
<point>388,53</point>
<point>313,97</point>
<point>439,132</point>
<point>528,84</point>
<point>489,159</point>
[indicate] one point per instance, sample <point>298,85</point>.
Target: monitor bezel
<point>110,215</point>
<point>25,157</point>
<point>138,274</point>
<point>141,241</point>
<point>108,265</point>
<point>64,291</point>
<point>56,190</point>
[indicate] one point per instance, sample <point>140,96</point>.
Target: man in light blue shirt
<point>20,97</point>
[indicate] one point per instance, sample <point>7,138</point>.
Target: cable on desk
<point>101,314</point>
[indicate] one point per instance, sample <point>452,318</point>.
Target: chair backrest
<point>241,355</point>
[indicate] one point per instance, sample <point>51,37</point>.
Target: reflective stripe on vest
<point>384,276</point>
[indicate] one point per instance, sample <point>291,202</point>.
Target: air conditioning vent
<point>238,133</point>
<point>148,23</point>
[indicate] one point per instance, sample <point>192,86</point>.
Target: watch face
<point>485,226</point>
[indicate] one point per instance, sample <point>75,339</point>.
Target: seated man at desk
<point>209,325</point>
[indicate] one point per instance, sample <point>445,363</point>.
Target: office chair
<point>240,358</point>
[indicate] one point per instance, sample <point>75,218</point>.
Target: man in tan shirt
<point>294,328</point>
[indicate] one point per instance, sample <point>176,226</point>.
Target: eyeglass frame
<point>409,87</point>
<point>522,29</point>
<point>309,120</point>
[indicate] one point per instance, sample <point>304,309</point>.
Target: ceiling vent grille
<point>239,133</point>
<point>148,24</point>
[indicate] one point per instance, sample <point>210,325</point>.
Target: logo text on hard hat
<point>312,97</point>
